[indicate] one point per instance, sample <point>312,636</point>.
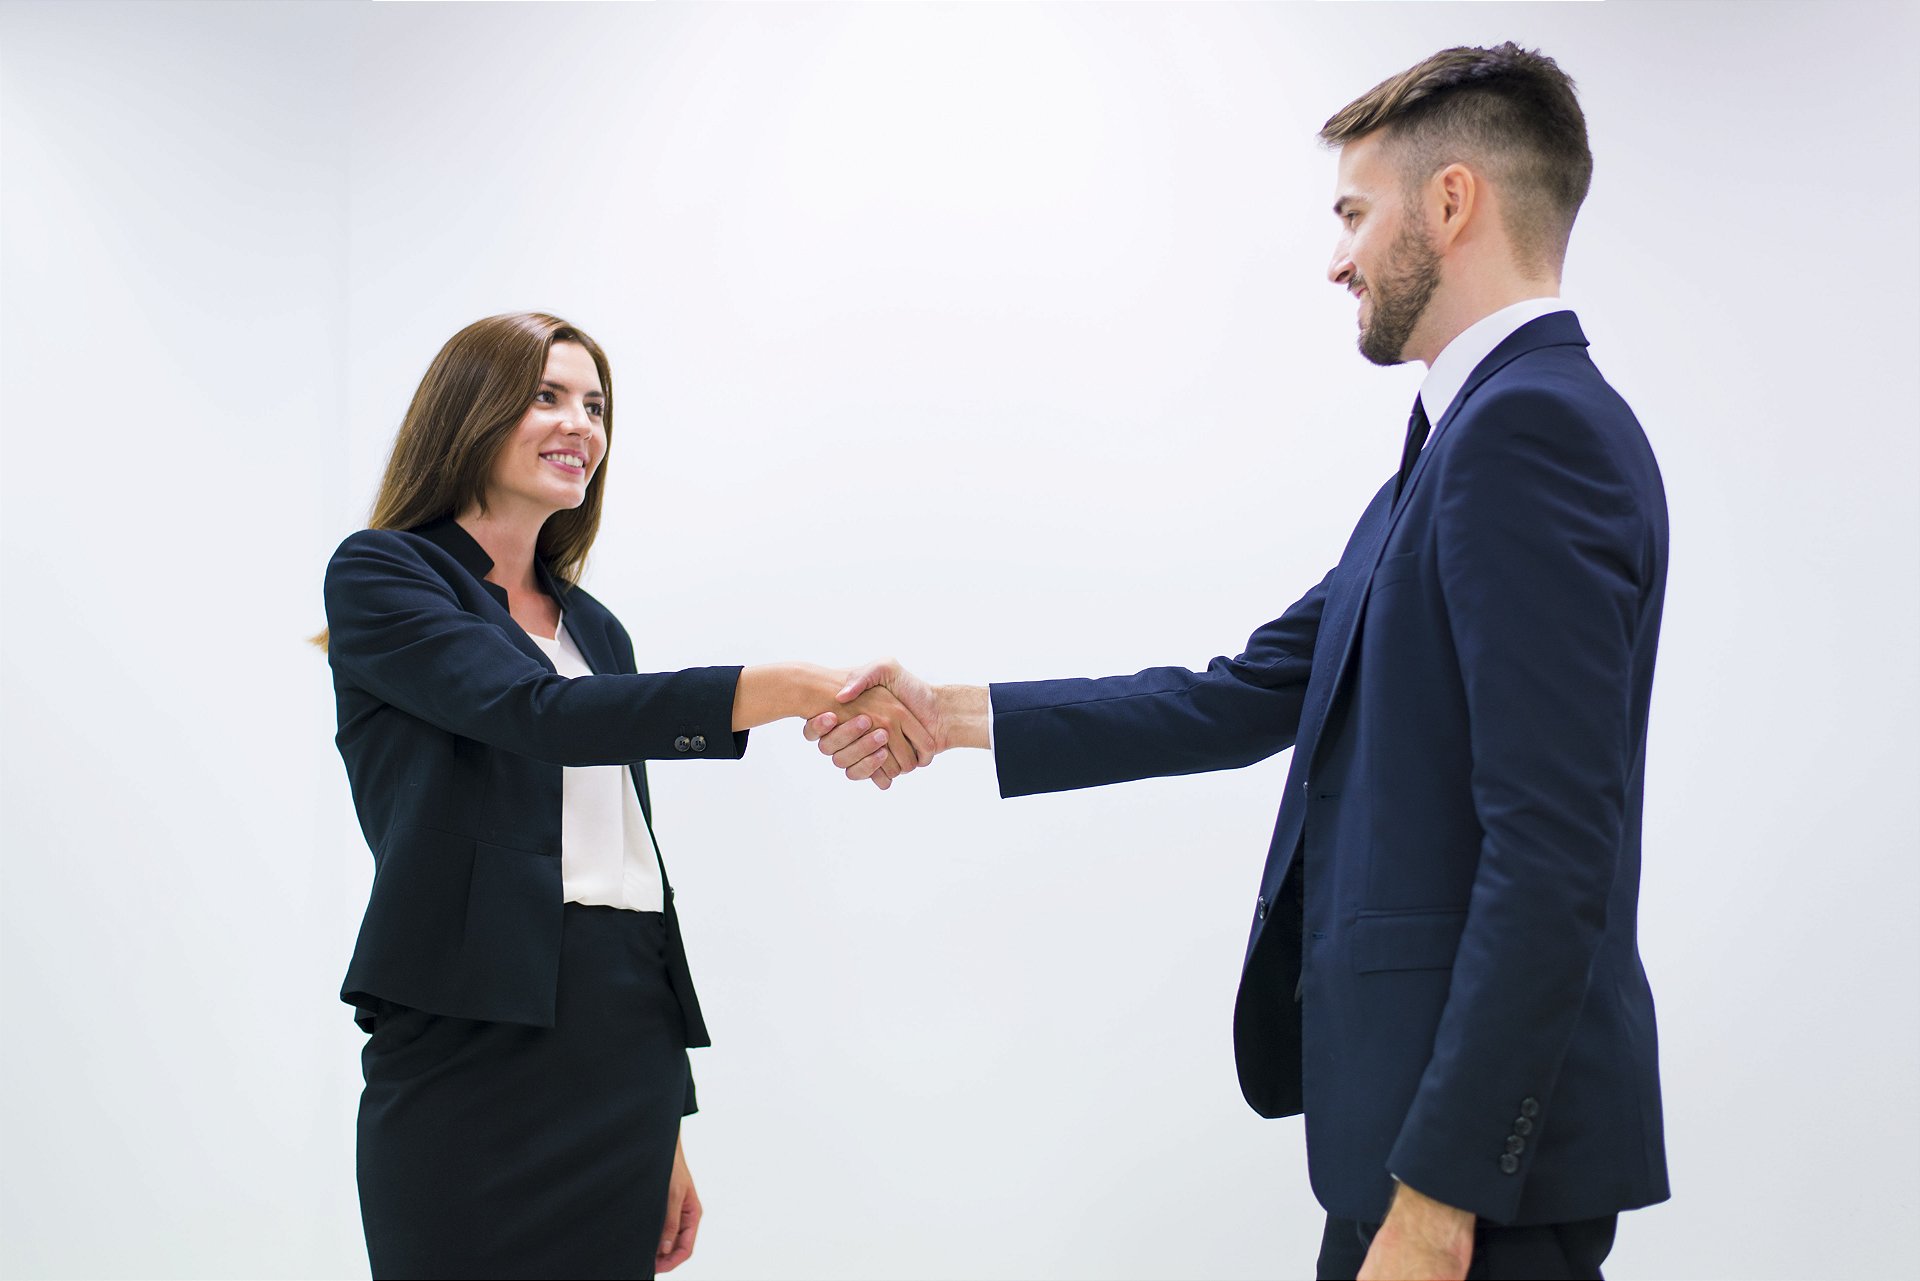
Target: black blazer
<point>1443,971</point>
<point>454,727</point>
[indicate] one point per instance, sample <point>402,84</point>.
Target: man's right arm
<point>1057,735</point>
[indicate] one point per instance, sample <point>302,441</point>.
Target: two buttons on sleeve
<point>1517,1141</point>
<point>698,743</point>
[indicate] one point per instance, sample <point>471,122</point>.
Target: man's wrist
<point>965,711</point>
<point>1444,1227</point>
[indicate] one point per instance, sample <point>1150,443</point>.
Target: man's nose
<point>1340,270</point>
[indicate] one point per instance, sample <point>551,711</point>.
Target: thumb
<point>865,678</point>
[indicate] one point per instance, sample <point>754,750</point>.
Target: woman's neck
<point>509,539</point>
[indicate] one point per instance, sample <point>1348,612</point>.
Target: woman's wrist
<point>770,692</point>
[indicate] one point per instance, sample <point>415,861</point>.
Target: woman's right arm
<point>398,631</point>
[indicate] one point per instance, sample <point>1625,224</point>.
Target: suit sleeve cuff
<point>703,730</point>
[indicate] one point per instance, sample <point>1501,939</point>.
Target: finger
<point>916,736</point>
<point>866,747</point>
<point>882,782</point>
<point>900,754</point>
<point>864,679</point>
<point>869,766</point>
<point>816,728</point>
<point>670,1226</point>
<point>680,1249</point>
<point>888,713</point>
<point>846,736</point>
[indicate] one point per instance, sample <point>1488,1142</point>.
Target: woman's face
<point>558,443</point>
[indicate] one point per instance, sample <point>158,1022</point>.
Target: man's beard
<point>1400,296</point>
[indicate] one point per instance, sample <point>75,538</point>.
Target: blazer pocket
<point>1393,569</point>
<point>1407,941</point>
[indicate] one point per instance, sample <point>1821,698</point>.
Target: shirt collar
<point>1459,358</point>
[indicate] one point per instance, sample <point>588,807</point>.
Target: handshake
<point>892,722</point>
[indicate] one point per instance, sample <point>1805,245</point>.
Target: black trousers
<point>1549,1252</point>
<point>501,1150</point>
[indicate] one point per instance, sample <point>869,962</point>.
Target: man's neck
<point>1457,307</point>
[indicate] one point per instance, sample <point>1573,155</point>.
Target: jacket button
<point>1516,1145</point>
<point>682,743</point>
<point>1529,1108</point>
<point>1260,913</point>
<point>699,742</point>
<point>1522,1126</point>
<point>1509,1164</point>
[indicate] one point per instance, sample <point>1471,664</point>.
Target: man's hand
<point>1421,1240</point>
<point>683,1216</point>
<point>953,716</point>
<point>847,741</point>
<point>883,735</point>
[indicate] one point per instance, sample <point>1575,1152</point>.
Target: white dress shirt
<point>606,855</point>
<point>1459,358</point>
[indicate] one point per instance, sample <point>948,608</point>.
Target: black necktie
<point>1417,429</point>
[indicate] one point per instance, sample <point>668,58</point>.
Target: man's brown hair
<point>1507,111</point>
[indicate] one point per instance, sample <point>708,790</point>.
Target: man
<point>1442,971</point>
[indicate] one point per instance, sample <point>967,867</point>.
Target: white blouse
<point>606,856</point>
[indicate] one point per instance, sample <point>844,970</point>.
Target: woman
<point>520,967</point>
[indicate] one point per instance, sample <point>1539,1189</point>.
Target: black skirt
<point>501,1150</point>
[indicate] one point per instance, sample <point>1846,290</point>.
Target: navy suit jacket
<point>454,727</point>
<point>1442,972</point>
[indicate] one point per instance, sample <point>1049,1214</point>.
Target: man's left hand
<point>1421,1240</point>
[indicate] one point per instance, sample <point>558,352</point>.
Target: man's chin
<point>1378,354</point>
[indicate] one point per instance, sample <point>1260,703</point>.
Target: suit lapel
<point>447,535</point>
<point>588,624</point>
<point>1347,596</point>
<point>586,630</point>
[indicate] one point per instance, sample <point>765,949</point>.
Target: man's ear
<point>1454,199</point>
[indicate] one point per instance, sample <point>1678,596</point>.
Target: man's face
<point>1384,257</point>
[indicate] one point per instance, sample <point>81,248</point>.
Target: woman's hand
<point>893,738</point>
<point>952,716</point>
<point>683,1216</point>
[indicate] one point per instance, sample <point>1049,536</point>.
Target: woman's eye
<point>543,398</point>
<point>597,409</point>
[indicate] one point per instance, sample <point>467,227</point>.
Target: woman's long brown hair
<point>467,405</point>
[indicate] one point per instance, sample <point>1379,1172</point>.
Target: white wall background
<point>993,336</point>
